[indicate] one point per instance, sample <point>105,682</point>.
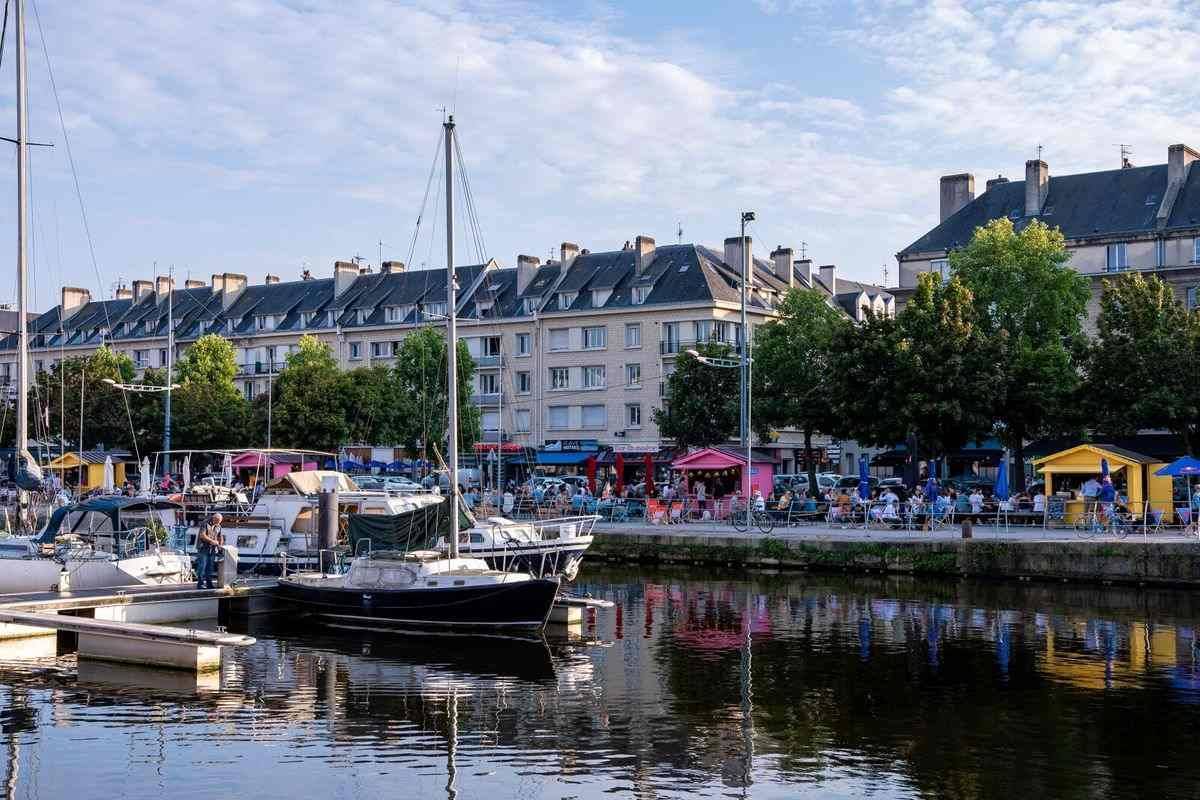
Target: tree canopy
<point>422,395</point>
<point>208,411</point>
<point>309,409</point>
<point>701,402</point>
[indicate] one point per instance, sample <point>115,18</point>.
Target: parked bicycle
<point>744,518</point>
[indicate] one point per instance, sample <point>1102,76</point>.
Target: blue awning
<point>563,458</point>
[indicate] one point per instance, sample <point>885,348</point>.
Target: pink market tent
<point>717,459</point>
<point>279,463</point>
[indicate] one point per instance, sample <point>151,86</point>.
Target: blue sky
<point>269,136</point>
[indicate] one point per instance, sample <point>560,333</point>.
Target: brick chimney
<point>829,277</point>
<point>1179,161</point>
<point>141,289</point>
<point>388,267</point>
<point>193,283</point>
<point>804,267</point>
<point>232,286</point>
<point>567,252</point>
<point>344,273</point>
<point>1037,186</point>
<point>527,267</point>
<point>782,258</point>
<point>74,298</point>
<point>163,284</point>
<point>996,181</point>
<point>733,252</point>
<point>271,280</point>
<point>643,249</point>
<point>956,192</point>
<point>124,293</point>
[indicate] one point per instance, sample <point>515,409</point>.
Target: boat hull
<point>541,559</point>
<point>523,604</point>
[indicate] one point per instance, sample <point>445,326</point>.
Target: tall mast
<point>170,359</point>
<point>451,339</point>
<point>22,234</point>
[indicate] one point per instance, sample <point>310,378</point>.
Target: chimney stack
<point>567,252</point>
<point>1179,159</point>
<point>829,278</point>
<point>734,254</point>
<point>271,279</point>
<point>1037,186</point>
<point>344,273</point>
<point>388,267</point>
<point>73,299</point>
<point>643,254</point>
<point>192,283</point>
<point>527,267</point>
<point>232,284</point>
<point>124,293</point>
<point>996,181</point>
<point>782,258</point>
<point>804,267</point>
<point>163,284</point>
<point>956,192</point>
<point>141,289</point>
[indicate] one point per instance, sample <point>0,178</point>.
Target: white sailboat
<point>82,546</point>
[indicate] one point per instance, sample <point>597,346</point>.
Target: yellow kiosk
<point>92,461</point>
<point>1067,469</point>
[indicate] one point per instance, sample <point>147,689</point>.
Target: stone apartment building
<point>571,353</point>
<point>1145,219</point>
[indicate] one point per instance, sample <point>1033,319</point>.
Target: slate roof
<point>1089,204</point>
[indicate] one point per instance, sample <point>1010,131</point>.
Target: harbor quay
<point>992,552</point>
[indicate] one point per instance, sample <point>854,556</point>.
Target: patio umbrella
<point>108,482</point>
<point>227,468</point>
<point>1001,488</point>
<point>1179,467</point>
<point>864,480</point>
<point>1103,468</point>
<point>187,472</point>
<point>145,473</point>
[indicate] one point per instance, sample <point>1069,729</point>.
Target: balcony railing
<point>672,346</point>
<point>487,399</point>
<point>487,361</point>
<point>260,367</point>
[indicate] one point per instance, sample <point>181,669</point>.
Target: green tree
<point>422,394</point>
<point>109,416</point>
<point>1030,304</point>
<point>308,408</point>
<point>207,410</point>
<point>701,403</point>
<point>792,368</point>
<point>929,373</point>
<point>1139,368</point>
<point>375,406</point>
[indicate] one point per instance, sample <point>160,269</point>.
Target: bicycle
<point>744,519</point>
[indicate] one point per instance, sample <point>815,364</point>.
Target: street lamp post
<point>747,216</point>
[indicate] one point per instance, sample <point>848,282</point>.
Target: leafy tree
<point>375,406</point>
<point>109,416</point>
<point>1030,304</point>
<point>792,373</point>
<point>207,410</point>
<point>1138,370</point>
<point>928,373</point>
<point>701,403</point>
<point>422,395</point>
<point>308,403</point>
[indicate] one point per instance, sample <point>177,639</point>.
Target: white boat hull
<point>19,575</point>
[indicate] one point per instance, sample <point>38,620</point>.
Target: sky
<point>272,136</point>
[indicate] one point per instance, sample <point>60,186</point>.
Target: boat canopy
<point>309,482</point>
<point>111,507</point>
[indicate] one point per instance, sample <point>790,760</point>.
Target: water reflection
<point>693,685</point>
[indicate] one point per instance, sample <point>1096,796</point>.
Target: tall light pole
<point>747,216</point>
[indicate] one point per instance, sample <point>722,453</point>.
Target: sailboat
<point>92,544</point>
<point>426,588</point>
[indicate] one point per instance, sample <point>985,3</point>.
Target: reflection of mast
<point>13,752</point>
<point>452,743</point>
<point>747,691</point>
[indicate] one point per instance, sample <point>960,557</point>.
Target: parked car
<point>399,485</point>
<point>798,481</point>
<point>850,482</point>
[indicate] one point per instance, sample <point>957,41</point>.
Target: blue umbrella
<point>1183,466</point>
<point>1103,468</point>
<point>931,489</point>
<point>864,481</point>
<point>1002,480</point>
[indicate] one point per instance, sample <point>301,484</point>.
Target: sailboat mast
<point>451,339</point>
<point>22,235</point>
<point>170,359</point>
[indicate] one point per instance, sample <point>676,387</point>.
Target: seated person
<point>1039,503</point>
<point>785,501</point>
<point>962,505</point>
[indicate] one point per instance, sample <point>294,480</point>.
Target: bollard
<point>227,567</point>
<point>327,520</point>
<point>966,528</point>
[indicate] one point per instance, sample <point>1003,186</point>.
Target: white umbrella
<point>145,476</point>
<point>187,472</point>
<point>227,468</point>
<point>108,482</point>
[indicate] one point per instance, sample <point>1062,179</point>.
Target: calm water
<point>696,685</point>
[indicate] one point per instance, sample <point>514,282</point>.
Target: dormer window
<point>332,318</point>
<point>435,310</point>
<point>600,297</point>
<point>393,314</point>
<point>260,322</point>
<point>229,324</point>
<point>566,299</point>
<point>529,305</point>
<point>308,317</point>
<point>640,293</point>
<point>363,313</point>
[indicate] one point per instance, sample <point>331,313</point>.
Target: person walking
<point>207,544</point>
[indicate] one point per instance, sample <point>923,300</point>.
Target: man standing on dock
<point>207,544</point>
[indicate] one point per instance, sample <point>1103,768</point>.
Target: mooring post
<point>327,521</point>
